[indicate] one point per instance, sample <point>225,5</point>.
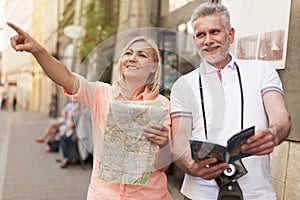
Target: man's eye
<point>128,53</point>
<point>215,32</point>
<point>200,35</point>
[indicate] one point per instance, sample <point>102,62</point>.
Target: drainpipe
<point>75,32</point>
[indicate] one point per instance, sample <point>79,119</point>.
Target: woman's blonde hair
<point>154,80</point>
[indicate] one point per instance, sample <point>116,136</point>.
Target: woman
<point>139,79</point>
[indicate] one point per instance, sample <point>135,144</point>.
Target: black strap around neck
<point>202,100</point>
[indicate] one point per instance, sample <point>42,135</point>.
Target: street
<point>27,172</point>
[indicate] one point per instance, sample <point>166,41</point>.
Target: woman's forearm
<point>56,70</point>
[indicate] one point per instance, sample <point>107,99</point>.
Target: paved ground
<point>28,173</point>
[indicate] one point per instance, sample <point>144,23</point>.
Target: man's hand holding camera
<point>206,168</point>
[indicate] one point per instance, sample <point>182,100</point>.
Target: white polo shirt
<point>222,103</point>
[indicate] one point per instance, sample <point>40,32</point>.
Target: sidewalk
<point>27,172</point>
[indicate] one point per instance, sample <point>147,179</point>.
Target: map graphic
<point>127,157</point>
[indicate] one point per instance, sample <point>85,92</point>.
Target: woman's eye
<point>128,53</point>
<point>143,55</point>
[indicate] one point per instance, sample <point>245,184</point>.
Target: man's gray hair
<point>210,8</point>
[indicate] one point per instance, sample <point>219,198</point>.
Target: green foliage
<point>99,26</point>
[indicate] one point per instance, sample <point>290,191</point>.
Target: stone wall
<point>285,160</point>
<point>285,165</point>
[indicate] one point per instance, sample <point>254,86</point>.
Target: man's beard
<point>214,59</point>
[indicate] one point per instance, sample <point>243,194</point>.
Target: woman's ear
<point>154,68</point>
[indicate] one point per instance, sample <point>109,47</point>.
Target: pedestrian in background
<point>15,101</point>
<point>52,129</point>
<point>253,95</point>
<point>4,101</point>
<point>139,79</point>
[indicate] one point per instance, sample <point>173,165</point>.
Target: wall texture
<point>285,160</point>
<point>290,75</point>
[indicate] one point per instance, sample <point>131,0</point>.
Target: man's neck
<point>222,64</point>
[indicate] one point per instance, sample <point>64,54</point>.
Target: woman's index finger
<point>16,28</point>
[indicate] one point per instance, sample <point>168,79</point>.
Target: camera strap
<point>231,191</point>
<point>229,187</point>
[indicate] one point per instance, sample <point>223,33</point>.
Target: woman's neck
<point>132,90</point>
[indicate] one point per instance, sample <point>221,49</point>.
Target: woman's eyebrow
<point>138,50</point>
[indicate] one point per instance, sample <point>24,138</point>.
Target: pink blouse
<point>97,97</point>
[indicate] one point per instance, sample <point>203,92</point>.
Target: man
<point>219,99</point>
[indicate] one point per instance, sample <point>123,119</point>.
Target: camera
<point>230,171</point>
<point>235,170</point>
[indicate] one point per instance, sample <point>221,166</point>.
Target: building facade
<point>21,74</point>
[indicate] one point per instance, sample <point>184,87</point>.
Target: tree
<point>101,22</point>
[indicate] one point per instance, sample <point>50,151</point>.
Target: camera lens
<point>230,171</point>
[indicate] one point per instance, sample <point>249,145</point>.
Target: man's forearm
<point>183,163</point>
<point>281,128</point>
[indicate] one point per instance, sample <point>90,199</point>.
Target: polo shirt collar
<point>209,68</point>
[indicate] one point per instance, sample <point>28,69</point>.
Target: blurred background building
<point>75,30</point>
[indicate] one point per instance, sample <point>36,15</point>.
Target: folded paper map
<point>127,157</point>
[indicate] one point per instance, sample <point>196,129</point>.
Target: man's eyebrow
<point>198,32</point>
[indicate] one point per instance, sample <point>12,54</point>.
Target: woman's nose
<point>132,57</point>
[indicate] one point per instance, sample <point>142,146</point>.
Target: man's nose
<point>208,39</point>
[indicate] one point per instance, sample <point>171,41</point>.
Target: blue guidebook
<point>202,150</point>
